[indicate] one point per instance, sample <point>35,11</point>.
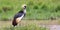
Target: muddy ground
<point>51,24</point>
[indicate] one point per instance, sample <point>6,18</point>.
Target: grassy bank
<point>26,27</point>
<point>29,25</point>
<point>36,9</point>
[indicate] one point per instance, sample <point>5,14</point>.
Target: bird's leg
<point>19,24</point>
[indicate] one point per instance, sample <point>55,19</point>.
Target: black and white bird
<point>18,17</point>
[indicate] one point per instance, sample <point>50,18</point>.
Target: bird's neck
<point>24,10</point>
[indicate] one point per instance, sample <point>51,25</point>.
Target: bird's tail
<point>14,23</point>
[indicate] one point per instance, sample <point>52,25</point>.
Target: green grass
<point>26,27</point>
<point>36,9</point>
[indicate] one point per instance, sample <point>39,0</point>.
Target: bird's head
<point>24,6</point>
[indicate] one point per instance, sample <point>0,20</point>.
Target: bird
<point>19,16</point>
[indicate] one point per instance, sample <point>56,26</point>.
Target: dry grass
<point>26,22</point>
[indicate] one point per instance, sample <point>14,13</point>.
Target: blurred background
<point>37,12</point>
<point>36,9</point>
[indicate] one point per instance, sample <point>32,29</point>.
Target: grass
<point>26,27</point>
<point>29,25</point>
<point>36,9</point>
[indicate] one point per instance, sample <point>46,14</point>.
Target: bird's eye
<point>25,6</point>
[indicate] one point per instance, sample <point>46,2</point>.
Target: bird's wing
<point>18,15</point>
<point>19,19</point>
